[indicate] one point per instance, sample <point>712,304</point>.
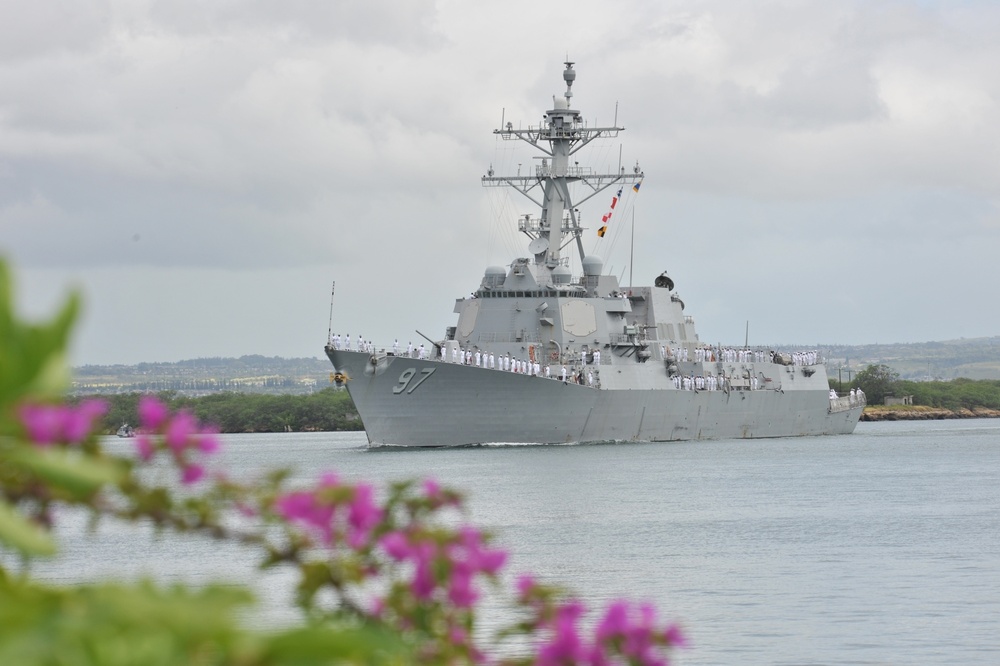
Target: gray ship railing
<point>844,403</point>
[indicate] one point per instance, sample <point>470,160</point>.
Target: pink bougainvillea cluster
<point>429,575</point>
<point>51,424</point>
<point>179,434</point>
<point>333,511</point>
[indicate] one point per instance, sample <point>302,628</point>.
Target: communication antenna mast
<point>329,331</point>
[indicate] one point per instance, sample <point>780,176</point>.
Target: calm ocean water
<point>881,547</point>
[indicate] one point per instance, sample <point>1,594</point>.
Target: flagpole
<point>329,331</point>
<point>631,253</point>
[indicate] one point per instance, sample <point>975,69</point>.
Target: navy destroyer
<point>540,355</point>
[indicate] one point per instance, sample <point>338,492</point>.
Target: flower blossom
<point>181,434</point>
<point>317,510</point>
<point>452,566</point>
<point>565,645</point>
<point>61,424</point>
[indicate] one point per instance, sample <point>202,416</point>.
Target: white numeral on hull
<point>404,380</point>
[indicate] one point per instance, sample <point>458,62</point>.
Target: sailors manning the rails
<point>395,347</point>
<point>421,352</point>
<point>409,350</point>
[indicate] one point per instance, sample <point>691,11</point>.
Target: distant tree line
<point>879,381</point>
<point>231,412</point>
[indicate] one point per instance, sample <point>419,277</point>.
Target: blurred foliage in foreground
<point>382,577</point>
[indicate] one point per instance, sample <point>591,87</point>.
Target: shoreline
<point>924,413</point>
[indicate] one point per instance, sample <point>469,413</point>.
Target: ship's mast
<point>549,186</point>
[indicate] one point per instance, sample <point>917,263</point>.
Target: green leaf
<point>338,645</point>
<point>23,535</point>
<point>115,624</point>
<point>32,357</point>
<point>78,475</point>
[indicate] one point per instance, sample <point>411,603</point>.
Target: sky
<point>202,173</point>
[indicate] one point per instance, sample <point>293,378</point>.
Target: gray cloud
<point>800,158</point>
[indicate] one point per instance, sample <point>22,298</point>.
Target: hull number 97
<point>406,382</point>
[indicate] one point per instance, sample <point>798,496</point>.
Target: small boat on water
<point>126,431</point>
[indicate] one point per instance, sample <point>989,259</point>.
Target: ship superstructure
<point>539,355</point>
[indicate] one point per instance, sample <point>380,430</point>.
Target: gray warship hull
<point>406,401</point>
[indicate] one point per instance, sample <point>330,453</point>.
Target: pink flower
<point>152,412</point>
<point>209,442</point>
<point>304,508</point>
<point>565,646</point>
<point>438,496</point>
<point>396,546</point>
<point>674,636</point>
<point>491,561</point>
<point>61,424</point>
<point>192,474</point>
<point>179,430</point>
<point>423,583</point>
<point>44,423</point>
<point>525,586</point>
<point>481,558</point>
<point>634,635</point>
<point>615,622</point>
<point>460,589</point>
<point>79,423</point>
<point>362,515</point>
<point>144,447</point>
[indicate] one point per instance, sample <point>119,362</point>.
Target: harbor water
<point>881,547</point>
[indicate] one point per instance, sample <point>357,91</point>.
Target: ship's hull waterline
<point>413,402</point>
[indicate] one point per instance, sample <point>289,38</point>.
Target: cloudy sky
<point>827,171</point>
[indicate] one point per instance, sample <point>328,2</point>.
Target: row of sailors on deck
<point>468,357</point>
<point>478,358</point>
<point>732,355</point>
<point>345,343</point>
<point>337,342</point>
<point>707,383</point>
